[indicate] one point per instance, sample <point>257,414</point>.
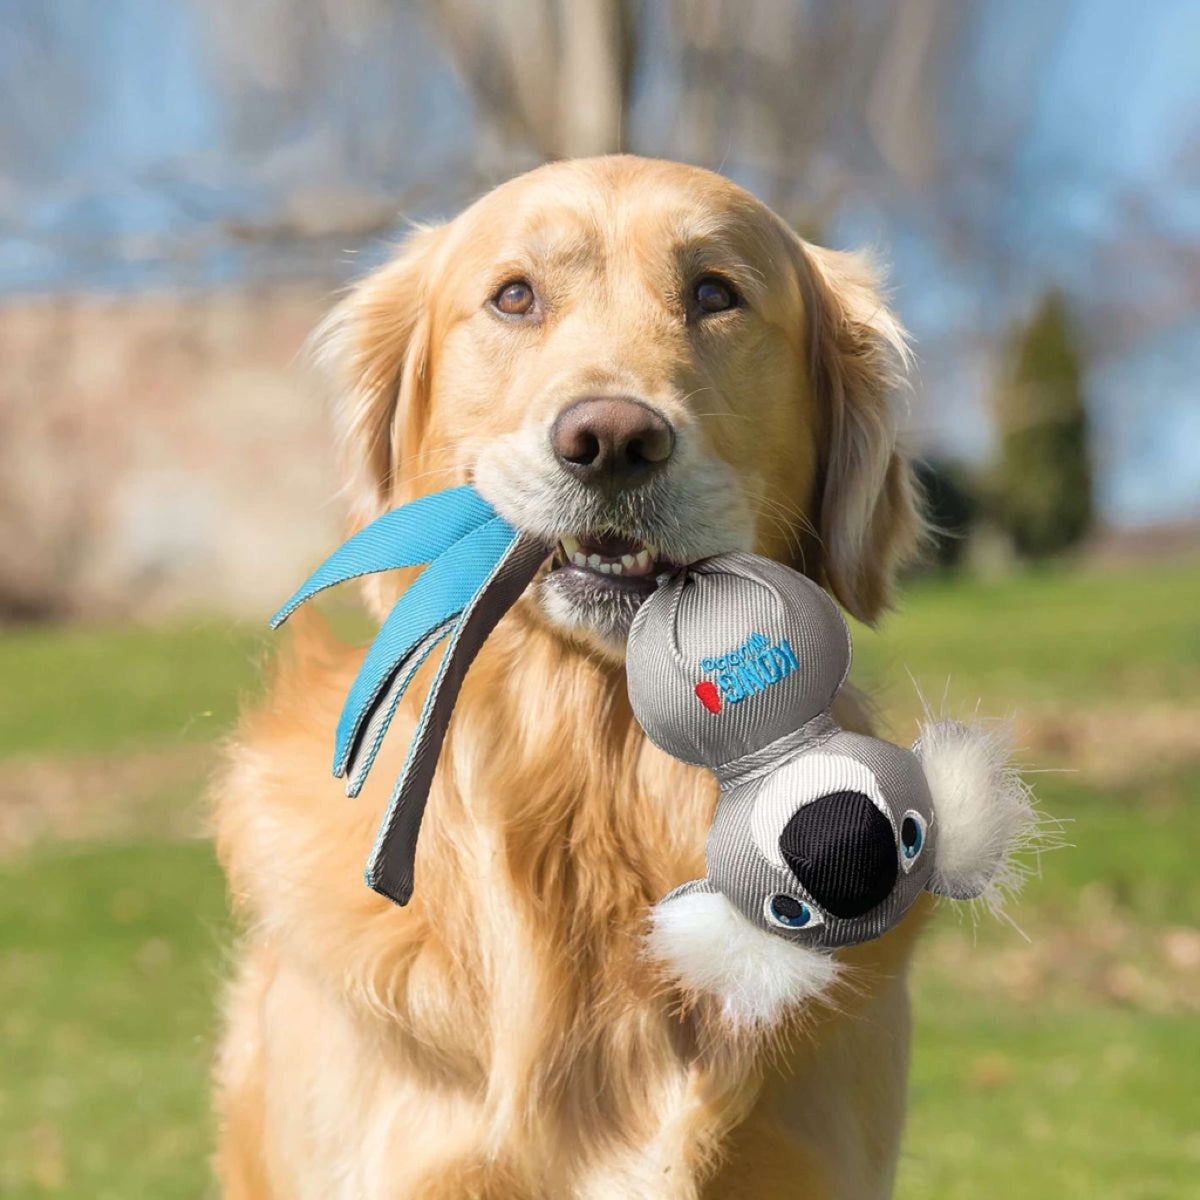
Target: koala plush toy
<point>822,838</point>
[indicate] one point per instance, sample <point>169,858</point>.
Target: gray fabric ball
<point>745,635</point>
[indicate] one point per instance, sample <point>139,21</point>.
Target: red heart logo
<point>708,695</point>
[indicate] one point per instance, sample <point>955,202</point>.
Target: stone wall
<point>161,453</point>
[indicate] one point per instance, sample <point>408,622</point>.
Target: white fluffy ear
<point>981,810</point>
<point>713,950</point>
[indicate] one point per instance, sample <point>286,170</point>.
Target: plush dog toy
<point>822,838</point>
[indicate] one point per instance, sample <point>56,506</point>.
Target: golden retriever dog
<point>641,362</point>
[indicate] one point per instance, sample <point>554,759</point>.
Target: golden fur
<point>504,1035</point>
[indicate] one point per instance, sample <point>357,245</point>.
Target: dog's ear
<point>374,350</point>
<point>868,520</point>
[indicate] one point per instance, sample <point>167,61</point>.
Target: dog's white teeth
<point>577,555</point>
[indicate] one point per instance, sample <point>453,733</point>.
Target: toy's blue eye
<point>789,913</point>
<point>912,837</point>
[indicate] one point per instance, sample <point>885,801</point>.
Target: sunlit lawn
<point>111,955</point>
<point>1068,1066</point>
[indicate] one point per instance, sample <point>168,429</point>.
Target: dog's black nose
<point>842,849</point>
<point>614,442</point>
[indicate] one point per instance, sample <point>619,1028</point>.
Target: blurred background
<point>184,187</point>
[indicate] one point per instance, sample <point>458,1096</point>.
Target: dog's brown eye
<point>714,295</point>
<point>514,299</point>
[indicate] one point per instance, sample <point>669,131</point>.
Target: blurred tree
<point>553,76</point>
<point>754,86</point>
<point>952,508</point>
<point>1043,484</point>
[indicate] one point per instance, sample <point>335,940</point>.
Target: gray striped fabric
<point>711,612</point>
<point>734,664</point>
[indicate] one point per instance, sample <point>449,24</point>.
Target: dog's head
<point>641,363</point>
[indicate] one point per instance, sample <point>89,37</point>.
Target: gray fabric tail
<point>390,869</point>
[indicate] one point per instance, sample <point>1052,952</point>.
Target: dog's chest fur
<point>504,1035</point>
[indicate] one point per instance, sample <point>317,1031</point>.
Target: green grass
<point>109,959</point>
<point>1138,840</point>
<point>1060,1083</point>
<point>1044,637</point>
<point>1065,1067</point>
<point>89,690</point>
<point>1094,1103</point>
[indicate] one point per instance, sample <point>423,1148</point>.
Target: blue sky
<point>1069,155</point>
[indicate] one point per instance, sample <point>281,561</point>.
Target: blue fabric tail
<point>478,567</point>
<point>379,718</point>
<point>405,537</point>
<point>390,869</point>
<point>439,593</point>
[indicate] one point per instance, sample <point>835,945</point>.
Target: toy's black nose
<point>842,849</point>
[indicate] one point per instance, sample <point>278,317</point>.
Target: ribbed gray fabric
<point>774,754</point>
<point>711,610</point>
<point>390,869</point>
<point>734,665</point>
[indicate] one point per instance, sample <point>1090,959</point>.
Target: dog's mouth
<point>607,551</point>
<point>598,581</point>
<point>609,560</point>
